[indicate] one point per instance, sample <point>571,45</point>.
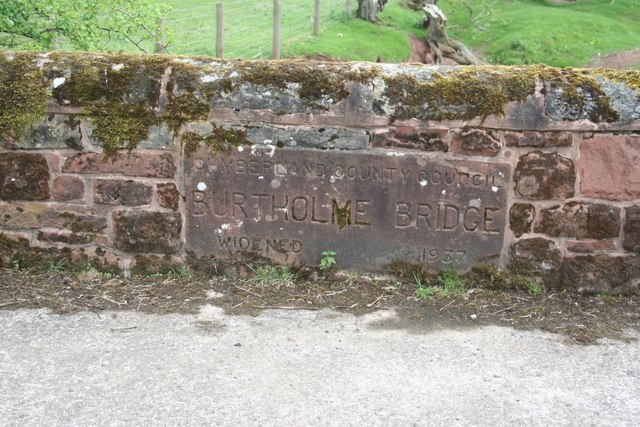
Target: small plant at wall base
<point>54,266</point>
<point>272,275</point>
<point>424,291</point>
<point>181,272</point>
<point>328,260</point>
<point>447,284</point>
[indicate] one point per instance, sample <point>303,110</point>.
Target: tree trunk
<point>439,43</point>
<point>369,9</point>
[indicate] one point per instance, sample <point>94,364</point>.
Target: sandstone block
<point>601,273</point>
<point>143,231</point>
<point>476,143</point>
<point>414,138</point>
<point>34,215</point>
<point>591,246</point>
<point>168,196</point>
<point>121,193</point>
<point>580,221</point>
<point>132,164</point>
<point>535,255</point>
<point>102,259</point>
<point>610,167</point>
<point>324,137</point>
<point>56,236</point>
<point>23,176</point>
<point>631,241</point>
<point>537,139</point>
<point>521,216</point>
<point>55,131</point>
<point>160,137</point>
<point>66,188</point>
<point>544,176</point>
<point>153,264</point>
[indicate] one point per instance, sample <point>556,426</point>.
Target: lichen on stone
<point>220,139</point>
<point>462,93</point>
<point>314,80</point>
<point>23,94</point>
<point>119,127</point>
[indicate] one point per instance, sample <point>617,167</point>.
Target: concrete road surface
<point>299,368</point>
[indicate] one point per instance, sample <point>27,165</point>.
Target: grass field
<point>248,25</point>
<point>515,31</point>
<point>538,31</point>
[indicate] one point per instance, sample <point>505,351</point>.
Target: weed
<point>533,288</point>
<point>452,284</point>
<point>604,297</point>
<point>272,275</point>
<point>349,281</point>
<point>328,260</point>
<point>424,290</point>
<point>16,264</point>
<point>182,272</point>
<point>54,266</point>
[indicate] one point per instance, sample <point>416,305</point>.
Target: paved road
<point>300,368</point>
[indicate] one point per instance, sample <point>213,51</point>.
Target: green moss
<point>184,108</point>
<point>463,94</point>
<point>482,91</point>
<point>631,78</point>
<point>121,126</point>
<point>23,95</point>
<point>340,215</point>
<point>220,140</point>
<point>579,88</point>
<point>315,80</point>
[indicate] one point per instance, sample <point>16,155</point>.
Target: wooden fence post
<point>219,30</point>
<point>160,47</point>
<point>275,53</point>
<point>316,18</point>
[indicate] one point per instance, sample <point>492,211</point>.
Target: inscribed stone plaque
<point>371,207</point>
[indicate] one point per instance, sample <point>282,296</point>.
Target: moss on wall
<point>221,139</point>
<point>23,94</point>
<point>122,94</point>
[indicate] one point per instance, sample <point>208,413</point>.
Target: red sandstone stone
<point>610,167</point>
<point>601,273</point>
<point>591,246</point>
<point>67,188</point>
<point>411,137</point>
<point>36,215</point>
<point>23,176</point>
<point>476,143</point>
<point>168,196</point>
<point>142,231</point>
<point>631,241</point>
<point>537,139</point>
<point>121,193</point>
<point>54,236</point>
<point>536,255</point>
<point>521,217</point>
<point>132,164</point>
<point>155,264</point>
<point>544,176</point>
<point>580,221</point>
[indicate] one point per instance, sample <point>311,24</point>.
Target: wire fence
<point>248,25</point>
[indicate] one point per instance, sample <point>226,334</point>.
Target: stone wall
<point>96,153</point>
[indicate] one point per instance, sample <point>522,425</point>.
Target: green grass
<point>272,275</point>
<point>447,284</point>
<point>530,32</point>
<point>516,31</point>
<point>247,25</point>
<point>356,40</point>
